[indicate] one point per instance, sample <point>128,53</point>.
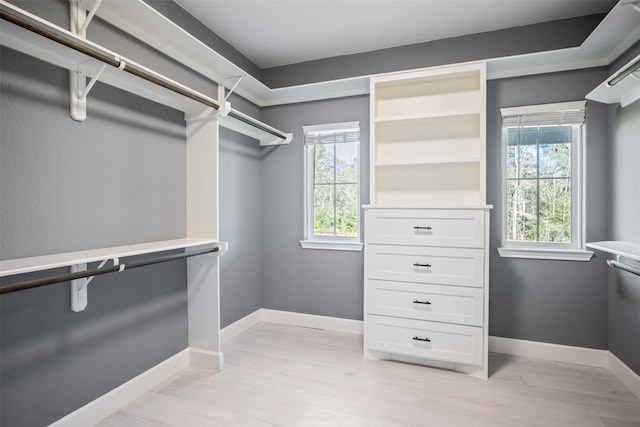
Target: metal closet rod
<point>103,57</point>
<point>50,280</point>
<point>125,66</point>
<point>621,266</point>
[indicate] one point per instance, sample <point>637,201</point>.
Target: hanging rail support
<point>93,81</point>
<point>221,87</point>
<point>79,89</point>
<point>78,23</point>
<point>87,20</point>
<point>622,266</point>
<point>79,286</point>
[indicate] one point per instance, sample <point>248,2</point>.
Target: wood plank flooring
<point>278,375</point>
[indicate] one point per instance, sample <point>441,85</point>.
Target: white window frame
<point>326,242</point>
<point>553,113</point>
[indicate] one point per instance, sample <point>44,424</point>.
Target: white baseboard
<point>623,373</point>
<point>546,351</point>
<point>334,324</point>
<point>569,354</point>
<point>111,402</point>
<point>204,359</point>
<point>239,326</point>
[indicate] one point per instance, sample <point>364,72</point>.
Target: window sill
<point>552,254</point>
<point>331,245</point>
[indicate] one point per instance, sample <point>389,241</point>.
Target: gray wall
<point>548,301</point>
<point>561,302</point>
<point>310,281</point>
<point>115,179</point>
<point>624,288</point>
<point>493,44</point>
<point>241,224</point>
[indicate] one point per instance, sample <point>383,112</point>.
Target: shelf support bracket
<point>87,20</point>
<point>79,20</point>
<point>209,113</point>
<point>79,287</point>
<point>221,87</point>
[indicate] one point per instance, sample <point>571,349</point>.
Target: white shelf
<point>625,92</point>
<point>434,115</point>
<point>45,262</point>
<point>32,44</point>
<point>625,249</point>
<point>428,162</point>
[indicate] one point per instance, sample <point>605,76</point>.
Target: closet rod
<point>108,58</point>
<point>50,280</point>
<point>256,125</point>
<point>624,267</point>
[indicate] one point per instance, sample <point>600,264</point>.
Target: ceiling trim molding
<point>616,33</point>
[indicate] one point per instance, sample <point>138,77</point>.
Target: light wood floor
<point>277,375</point>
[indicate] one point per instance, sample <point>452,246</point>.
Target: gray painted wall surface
<point>117,178</point>
<point>548,301</point>
<point>310,281</point>
<point>561,302</point>
<point>624,288</point>
<point>494,44</point>
<point>241,224</point>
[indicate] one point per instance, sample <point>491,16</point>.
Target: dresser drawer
<point>431,340</point>
<point>426,227</point>
<point>452,304</point>
<point>445,266</point>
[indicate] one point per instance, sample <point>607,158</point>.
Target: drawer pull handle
<point>417,301</point>
<point>418,228</point>
<point>421,339</point>
<point>417,264</point>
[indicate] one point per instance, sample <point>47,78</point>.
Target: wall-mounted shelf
<point>45,262</point>
<point>622,87</point>
<point>26,41</point>
<point>625,249</point>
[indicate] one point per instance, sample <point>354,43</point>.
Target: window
<point>332,199</point>
<point>542,181</point>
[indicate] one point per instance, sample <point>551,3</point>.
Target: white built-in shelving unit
<point>427,130</point>
<point>427,228</point>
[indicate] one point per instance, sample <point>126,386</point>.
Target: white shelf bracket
<point>79,287</point>
<point>88,17</point>
<point>222,85</point>
<point>78,91</point>
<point>209,113</point>
<point>79,20</point>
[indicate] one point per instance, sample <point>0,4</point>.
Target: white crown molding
<point>618,31</point>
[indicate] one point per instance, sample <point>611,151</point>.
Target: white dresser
<point>426,294</point>
<point>427,228</point>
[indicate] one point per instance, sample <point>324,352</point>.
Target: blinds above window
<point>564,113</point>
<point>335,133</point>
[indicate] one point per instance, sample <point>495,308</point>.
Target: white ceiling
<point>281,32</point>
